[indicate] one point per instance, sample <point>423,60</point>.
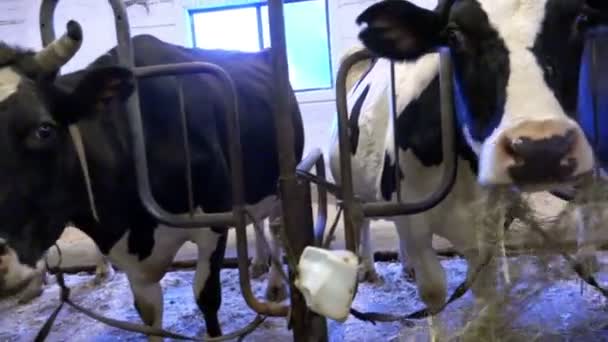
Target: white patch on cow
<point>528,97</point>
<point>9,82</point>
<point>144,275</point>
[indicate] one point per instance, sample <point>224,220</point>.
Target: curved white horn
<point>60,51</point>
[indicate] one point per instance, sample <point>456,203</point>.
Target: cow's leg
<point>367,269</point>
<point>408,270</point>
<point>148,301</point>
<point>35,284</point>
<point>430,276</point>
<point>259,264</point>
<point>587,236</point>
<point>103,269</point>
<point>276,289</point>
<point>207,286</point>
<point>430,279</point>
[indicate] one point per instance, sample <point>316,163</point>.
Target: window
<point>245,27</point>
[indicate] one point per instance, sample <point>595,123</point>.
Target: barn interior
<point>546,299</point>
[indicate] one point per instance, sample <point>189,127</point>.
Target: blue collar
<point>593,93</point>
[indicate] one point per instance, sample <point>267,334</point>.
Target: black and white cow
<point>42,185</point>
<point>516,76</point>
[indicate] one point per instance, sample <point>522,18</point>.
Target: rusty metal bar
<point>346,177</point>
<point>47,29</point>
<point>321,222</point>
<point>354,210</point>
<point>315,158</point>
<point>238,215</point>
<point>306,325</point>
<point>197,220</point>
<point>448,149</point>
<point>188,154</point>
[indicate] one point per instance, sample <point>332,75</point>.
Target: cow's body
<point>421,167</point>
<point>126,232</point>
<point>516,78</point>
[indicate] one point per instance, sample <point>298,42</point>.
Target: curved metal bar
<point>450,161</point>
<point>383,209</point>
<point>346,176</point>
<point>47,26</point>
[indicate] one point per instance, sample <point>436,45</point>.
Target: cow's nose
<point>548,159</point>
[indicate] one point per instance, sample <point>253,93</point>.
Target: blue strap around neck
<point>464,116</point>
<point>593,93</point>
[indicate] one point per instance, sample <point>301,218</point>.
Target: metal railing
<point>354,210</point>
<point>294,192</point>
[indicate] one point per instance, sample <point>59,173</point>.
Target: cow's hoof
<point>369,275</point>
<point>258,269</point>
<point>409,274</point>
<point>29,295</point>
<point>101,278</point>
<point>276,293</point>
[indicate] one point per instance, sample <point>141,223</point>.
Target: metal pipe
<point>47,25</point>
<point>346,178</point>
<point>383,209</point>
<point>197,220</point>
<point>263,308</point>
<point>321,222</point>
<point>315,158</point>
<point>307,326</point>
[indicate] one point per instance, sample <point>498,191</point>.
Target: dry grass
<point>519,284</point>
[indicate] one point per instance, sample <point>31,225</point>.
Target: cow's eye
<point>455,37</point>
<point>45,131</point>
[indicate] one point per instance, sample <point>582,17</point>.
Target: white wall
<point>168,21</point>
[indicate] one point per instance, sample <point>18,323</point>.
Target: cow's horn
<point>60,51</point>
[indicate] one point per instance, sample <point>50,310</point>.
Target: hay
<point>521,283</point>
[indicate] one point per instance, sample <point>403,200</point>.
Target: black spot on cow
<point>388,180</point>
<point>419,130</point>
<point>353,121</point>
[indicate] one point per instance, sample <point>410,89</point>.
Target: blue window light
<point>244,26</point>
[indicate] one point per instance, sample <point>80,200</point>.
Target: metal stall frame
<point>295,193</point>
<point>354,209</point>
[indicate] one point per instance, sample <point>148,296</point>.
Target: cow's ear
<point>400,30</point>
<point>96,91</point>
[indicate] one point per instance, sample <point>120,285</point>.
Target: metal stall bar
<point>296,214</point>
<point>236,218</point>
<point>315,159</point>
<point>355,211</point>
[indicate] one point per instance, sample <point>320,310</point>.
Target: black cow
<point>42,185</point>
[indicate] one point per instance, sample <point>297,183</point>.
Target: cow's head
<point>38,165</point>
<point>516,78</point>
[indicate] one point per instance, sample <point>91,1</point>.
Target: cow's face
<point>516,77</point>
<point>38,168</point>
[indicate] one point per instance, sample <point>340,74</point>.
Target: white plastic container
<point>327,279</point>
